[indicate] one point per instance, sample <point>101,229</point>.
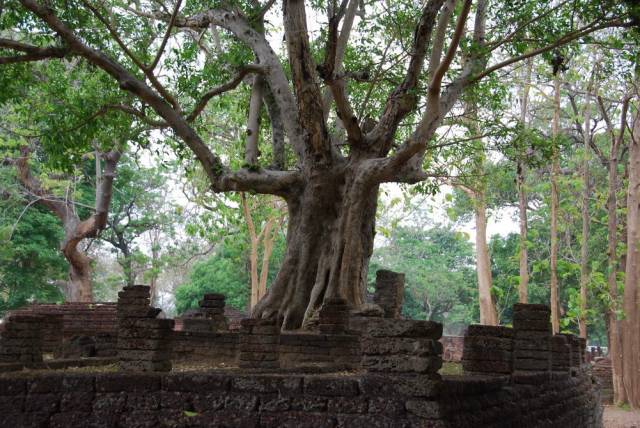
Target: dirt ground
<point>615,417</point>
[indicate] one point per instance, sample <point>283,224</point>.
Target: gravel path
<point>615,417</point>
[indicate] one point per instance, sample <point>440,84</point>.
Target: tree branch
<point>308,95</point>
<point>211,163</point>
<point>32,53</point>
<point>402,100</point>
<point>569,37</point>
<point>165,39</point>
<point>274,73</point>
<point>433,95</point>
<point>231,84</point>
<point>147,72</point>
<point>281,183</point>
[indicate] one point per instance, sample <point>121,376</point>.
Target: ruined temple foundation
<point>360,369</point>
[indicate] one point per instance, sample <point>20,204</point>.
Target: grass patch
<point>451,369</point>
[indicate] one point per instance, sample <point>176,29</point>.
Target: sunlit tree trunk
<point>488,314</point>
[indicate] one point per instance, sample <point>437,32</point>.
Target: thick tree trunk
<point>488,314</point>
<point>80,289</point>
<point>555,167</point>
<point>329,243</point>
<point>630,325</point>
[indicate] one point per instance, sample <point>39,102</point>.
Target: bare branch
<point>231,84</point>
<point>281,183</point>
<point>569,37</point>
<point>165,39</point>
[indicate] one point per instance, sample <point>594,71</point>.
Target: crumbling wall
<point>231,398</point>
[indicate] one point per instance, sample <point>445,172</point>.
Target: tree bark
<point>555,167</point>
<point>488,314</point>
<point>329,242</point>
<point>630,325</point>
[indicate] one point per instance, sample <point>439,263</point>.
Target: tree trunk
<point>555,167</point>
<point>329,243</point>
<point>612,242</point>
<point>80,289</point>
<point>270,233</point>
<point>523,286</point>
<point>521,173</point>
<point>586,192</point>
<point>615,351</point>
<point>488,314</point>
<point>630,325</point>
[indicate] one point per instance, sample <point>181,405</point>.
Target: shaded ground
<point>615,417</point>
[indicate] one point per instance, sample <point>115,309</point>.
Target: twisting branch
<point>331,70</point>
<point>274,73</point>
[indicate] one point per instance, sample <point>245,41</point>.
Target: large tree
<point>339,160</point>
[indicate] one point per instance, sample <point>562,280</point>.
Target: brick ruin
<point>356,369</point>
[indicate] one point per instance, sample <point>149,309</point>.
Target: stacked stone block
<point>487,350</point>
<point>310,350</point>
<point>144,342</point>
<point>334,316</point>
<point>210,316</point>
<point>576,352</point>
<point>399,346</point>
<point>106,344</point>
<point>560,353</point>
<point>53,334</point>
<point>583,350</point>
<point>259,341</point>
<point>532,338</point>
<point>21,340</point>
<point>389,293</point>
